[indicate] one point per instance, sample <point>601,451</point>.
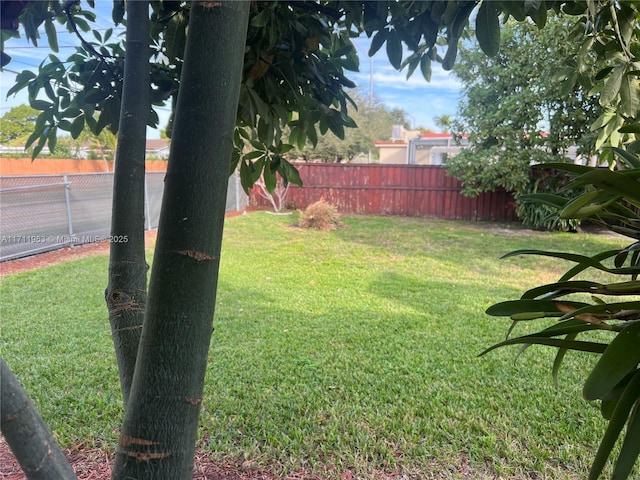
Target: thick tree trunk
<point>159,431</point>
<point>28,437</point>
<point>126,293</point>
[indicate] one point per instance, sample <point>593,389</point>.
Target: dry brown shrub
<point>320,216</point>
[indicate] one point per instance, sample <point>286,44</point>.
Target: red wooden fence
<point>405,190</point>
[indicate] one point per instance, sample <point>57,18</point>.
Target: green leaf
<point>254,155</point>
<point>631,445</point>
<point>583,260</point>
<point>38,148</point>
<point>52,138</point>
<point>629,96</point>
<point>630,128</point>
<point>425,67</point>
<point>334,121</point>
<point>452,52</point>
<point>394,50</point>
<point>377,41</point>
<point>82,24</point>
<point>262,19</point>
<point>292,173</point>
<point>557,361</point>
<point>582,266</point>
<point>513,307</point>
<point>616,424</point>
<point>270,179</point>
<point>562,288</point>
<point>488,28</point>
<point>245,176</point>
<point>592,347</point>
<point>631,160</point>
<point>40,104</point>
<point>539,14</point>
<point>77,126</point>
<point>22,80</point>
<point>549,199</point>
<point>618,183</point>
<point>621,357</point>
<point>587,204</point>
<point>612,86</point>
<point>603,73</point>
<point>52,37</point>
<point>515,9</point>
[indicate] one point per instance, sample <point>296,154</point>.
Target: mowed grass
<point>333,351</point>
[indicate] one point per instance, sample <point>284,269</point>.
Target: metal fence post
<point>67,200</point>
<point>237,192</point>
<point>147,210</point>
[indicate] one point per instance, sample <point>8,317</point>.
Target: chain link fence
<point>46,212</point>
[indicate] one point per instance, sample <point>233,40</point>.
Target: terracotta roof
<point>436,135</point>
<point>157,144</point>
<point>391,144</point>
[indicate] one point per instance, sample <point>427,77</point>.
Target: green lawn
<point>349,350</point>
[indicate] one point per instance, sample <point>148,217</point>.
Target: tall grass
<point>333,351</point>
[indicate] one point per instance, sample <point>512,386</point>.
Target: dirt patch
<point>94,464</point>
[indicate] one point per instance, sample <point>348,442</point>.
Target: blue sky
<point>421,101</point>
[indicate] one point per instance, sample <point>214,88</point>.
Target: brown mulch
<point>94,464</point>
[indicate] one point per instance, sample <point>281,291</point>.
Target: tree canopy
<point>17,125</point>
<point>374,122</point>
<point>515,112</point>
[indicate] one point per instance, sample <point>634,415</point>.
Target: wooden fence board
<point>405,190</point>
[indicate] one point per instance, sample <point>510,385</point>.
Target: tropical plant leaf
<point>557,361</point>
<point>550,199</point>
<point>582,260</point>
<point>630,447</point>
<point>616,424</point>
<point>621,357</point>
<point>591,347</point>
<point>563,288</point>
<point>619,183</point>
<point>547,308</point>
<point>631,160</point>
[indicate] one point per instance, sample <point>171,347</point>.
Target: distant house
<point>157,149</point>
<point>415,148</point>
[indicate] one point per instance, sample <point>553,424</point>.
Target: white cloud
<point>421,100</point>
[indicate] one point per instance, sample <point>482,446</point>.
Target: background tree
<point>516,113</point>
<point>374,121</point>
<point>17,125</point>
<point>444,122</point>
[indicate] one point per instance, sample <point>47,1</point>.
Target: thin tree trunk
<point>159,431</point>
<point>28,437</point>
<point>126,293</point>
